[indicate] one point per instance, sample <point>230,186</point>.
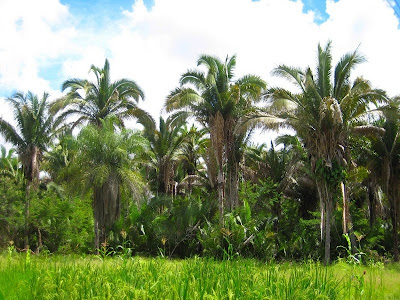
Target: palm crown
<point>32,132</point>
<point>323,113</point>
<point>94,101</point>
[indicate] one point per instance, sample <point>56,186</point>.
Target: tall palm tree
<point>94,101</point>
<point>217,102</point>
<point>30,137</point>
<point>384,160</point>
<point>106,161</point>
<point>323,112</point>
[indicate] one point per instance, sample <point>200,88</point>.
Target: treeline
<point>79,180</point>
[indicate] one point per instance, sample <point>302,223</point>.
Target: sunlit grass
<point>73,277</point>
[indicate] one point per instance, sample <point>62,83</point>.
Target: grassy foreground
<point>71,277</point>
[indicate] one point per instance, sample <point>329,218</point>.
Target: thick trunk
<point>106,209</point>
<point>232,162</point>
<point>217,143</point>
<point>232,190</point>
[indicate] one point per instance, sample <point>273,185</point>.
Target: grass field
<point>72,277</point>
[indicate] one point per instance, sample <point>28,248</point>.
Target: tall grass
<point>71,277</point>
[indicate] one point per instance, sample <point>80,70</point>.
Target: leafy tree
<point>106,162</point>
<point>217,102</point>
<point>323,113</point>
<point>94,101</point>
<point>30,137</point>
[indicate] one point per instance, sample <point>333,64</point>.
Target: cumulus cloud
<point>154,46</point>
<point>32,33</point>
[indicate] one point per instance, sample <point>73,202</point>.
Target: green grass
<point>72,277</point>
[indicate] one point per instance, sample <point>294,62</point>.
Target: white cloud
<point>32,33</point>
<point>372,26</point>
<point>153,47</point>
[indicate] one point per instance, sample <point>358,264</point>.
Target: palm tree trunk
<point>221,195</point>
<point>27,214</point>
<point>326,202</point>
<point>347,220</point>
<point>395,221</point>
<point>231,147</point>
<point>328,233</point>
<point>107,209</point>
<point>372,203</point>
<point>395,236</point>
<point>233,186</point>
<point>217,143</point>
<point>322,209</point>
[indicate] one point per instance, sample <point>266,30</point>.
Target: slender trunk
<point>96,237</point>
<point>395,236</point>
<point>328,233</point>
<point>221,196</point>
<point>326,202</point>
<point>27,215</point>
<point>347,220</point>
<point>372,203</point>
<point>31,169</point>
<point>322,210</point>
<point>40,244</point>
<point>395,221</point>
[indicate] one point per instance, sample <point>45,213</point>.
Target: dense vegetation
<point>79,181</point>
<point>69,277</point>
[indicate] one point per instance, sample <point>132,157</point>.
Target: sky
<point>45,42</point>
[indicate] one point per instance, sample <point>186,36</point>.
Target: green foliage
<point>12,198</point>
<point>66,277</point>
<point>65,224</point>
<point>333,174</point>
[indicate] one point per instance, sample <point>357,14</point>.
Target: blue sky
<point>44,42</point>
<point>101,13</point>
<point>113,9</point>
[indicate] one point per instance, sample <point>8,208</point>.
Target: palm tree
<point>384,160</point>
<point>165,144</point>
<point>322,113</point>
<point>190,155</point>
<point>106,161</point>
<point>217,102</point>
<point>30,137</point>
<point>94,101</point>
<point>9,165</point>
<point>60,155</point>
